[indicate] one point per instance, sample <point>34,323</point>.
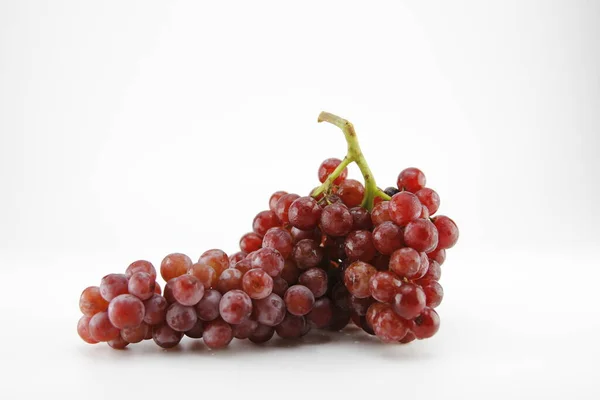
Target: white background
<point>134,129</point>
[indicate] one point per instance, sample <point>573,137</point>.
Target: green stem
<point>354,155</point>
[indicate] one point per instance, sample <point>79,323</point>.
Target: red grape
<point>427,324</point>
<point>230,279</point>
<point>141,285</point>
<point>351,192</point>
<point>291,327</point>
<point>168,294</point>
<point>383,285</point>
<point>270,260</point>
<point>290,272</point>
<point>157,288</point>
<point>207,309</point>
<point>430,199</point>
<point>356,278</point>
<point>405,262</point>
<point>205,274</point>
<point>298,234</point>
<point>315,279</point>
<point>307,254</point>
<point>83,329</point>
<point>113,285</point>
<point>321,313</point>
<point>196,331</point>
<point>387,238</point>
<point>404,207</point>
<point>174,265</point>
<point>245,329</point>
<point>257,283</point>
<point>165,336</point>
<point>91,301</point>
<point>299,300</point>
<point>409,301</point>
<point>434,293</point>
<point>217,334</point>
<point>328,166</point>
<point>374,311</point>
<point>181,318</point>
<point>215,258</point>
<point>155,310</point>
<point>304,213</point>
<point>359,307</point>
<point>448,231</point>
<point>409,337</point>
<point>135,334</point>
<point>361,219</point>
<point>336,220</point>
<point>244,265</point>
<point>283,206</point>
<point>264,221</point>
<point>262,334</point>
<point>126,311</point>
<point>280,286</point>
<point>389,327</point>
<point>279,239</point>
<point>235,306</point>
<point>381,213</point>
<point>434,272</point>
<point>236,257</point>
<point>187,290</point>
<point>250,242</point>
<point>141,266</point>
<point>118,343</point>
<point>438,254</point>
<point>341,296</point>
<point>421,235</point>
<point>358,245</point>
<point>275,198</point>
<point>411,179</point>
<point>101,329</point>
<point>269,311</point>
<point>339,320</point>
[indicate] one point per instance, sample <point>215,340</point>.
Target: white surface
<point>133,129</point>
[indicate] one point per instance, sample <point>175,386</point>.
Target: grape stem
<point>355,155</point>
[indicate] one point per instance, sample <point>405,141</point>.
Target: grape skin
<point>270,260</point>
<point>381,213</point>
<point>430,199</point>
<point>283,206</point>
<point>427,324</point>
<point>262,334</point>
<point>275,198</point>
<point>409,301</point>
<point>404,207</point>
<point>405,262</point>
<point>351,192</point>
<point>448,231</point>
<point>358,245</point>
<point>136,334</point>
<point>434,293</point>
<point>383,286</point>
<point>321,314</point>
<point>181,318</point>
<point>291,327</point>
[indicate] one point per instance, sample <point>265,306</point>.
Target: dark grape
<point>360,306</point>
<point>358,245</point>
<point>291,327</point>
<point>245,329</point>
<point>409,337</point>
<point>390,191</point>
<point>339,320</point>
<point>165,336</point>
<point>262,334</point>
<point>290,272</point>
<point>361,219</point>
<point>280,286</point>
<point>321,314</point>
<point>307,254</point>
<point>341,296</point>
<point>197,330</point>
<point>315,279</point>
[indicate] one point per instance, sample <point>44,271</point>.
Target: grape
<point>340,320</point>
<point>381,262</point>
<point>341,296</point>
<point>299,300</point>
<point>298,234</point>
<point>328,166</point>
<point>141,266</point>
<point>359,307</point>
<point>307,254</point>
<point>245,329</point>
<point>187,289</point>
<point>275,198</point>
<point>279,239</point>
<point>448,231</point>
<point>269,260</point>
<point>135,334</point>
<point>126,311</point>
<point>91,301</point>
<point>291,327</point>
<point>283,205</point>
<point>358,245</point>
<point>215,258</point>
<point>424,212</point>
<point>361,322</point>
<point>411,179</point>
<point>148,333</point>
<point>351,192</point>
<point>424,267</point>
<point>438,254</point>
<point>421,235</point>
<point>290,272</point>
<point>391,191</point>
<point>157,288</point>
<point>404,207</point>
<point>118,343</point>
<point>280,286</point>
<point>381,213</point>
<point>83,329</point>
<point>384,285</point>
<point>336,220</point>
<point>257,283</point>
<point>434,293</point>
<point>250,242</point>
<point>141,285</point>
<point>321,314</point>
<point>181,318</point>
<point>304,213</point>
<point>205,274</point>
<point>217,334</point>
<point>409,301</point>
<point>168,294</point>
<point>235,307</point>
<point>196,331</point>
<point>262,334</point>
<point>434,272</point>
<point>264,221</point>
<point>165,336</point>
<point>430,199</point>
<point>174,265</point>
<point>113,285</point>
<point>207,309</point>
<point>427,324</point>
<point>356,278</point>
<point>230,279</point>
<point>335,248</point>
<point>236,257</point>
<point>269,311</point>
<point>389,327</point>
<point>244,265</point>
<point>315,279</point>
<point>387,238</point>
<point>101,329</point>
<point>374,311</point>
<point>361,219</point>
<point>409,337</point>
<point>155,310</point>
<point>405,262</point>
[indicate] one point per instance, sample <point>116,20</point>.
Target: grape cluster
<point>347,253</point>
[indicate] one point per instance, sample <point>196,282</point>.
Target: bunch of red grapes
<point>312,262</point>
